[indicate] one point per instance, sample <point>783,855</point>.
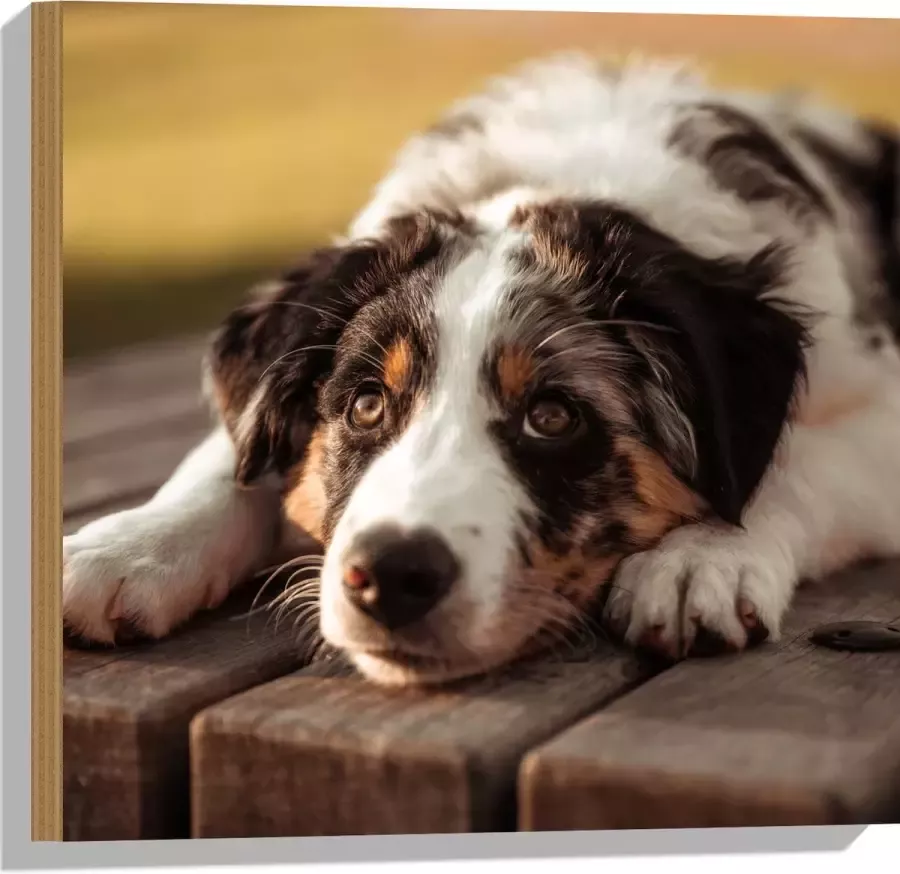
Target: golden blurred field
<point>204,146</point>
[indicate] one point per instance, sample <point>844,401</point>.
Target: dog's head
<point>478,425</point>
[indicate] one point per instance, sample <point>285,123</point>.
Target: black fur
<point>287,341</point>
<point>286,337</point>
<point>737,353</point>
<point>873,187</point>
<point>745,159</point>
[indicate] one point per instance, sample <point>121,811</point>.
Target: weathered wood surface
<point>221,731</point>
<point>126,715</point>
<point>791,734</point>
<point>128,422</point>
<point>312,756</point>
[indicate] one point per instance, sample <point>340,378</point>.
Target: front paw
<point>701,591</point>
<point>139,571</point>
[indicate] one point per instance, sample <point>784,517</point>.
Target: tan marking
<point>304,504</point>
<point>597,572</point>
<point>551,226</point>
<point>515,369</point>
<point>398,365</point>
<point>657,485</point>
<point>648,526</point>
<point>665,501</point>
<point>572,574</point>
<point>556,256</point>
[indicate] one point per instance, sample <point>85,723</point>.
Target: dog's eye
<point>549,418</point>
<point>367,411</point>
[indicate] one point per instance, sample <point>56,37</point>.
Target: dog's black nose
<point>396,577</point>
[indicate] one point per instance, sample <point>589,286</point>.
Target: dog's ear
<point>270,410</point>
<point>733,353</point>
<point>737,363</point>
<point>268,359</point>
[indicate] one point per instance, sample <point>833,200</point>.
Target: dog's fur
<point>704,282</point>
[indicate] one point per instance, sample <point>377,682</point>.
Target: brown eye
<point>367,411</point>
<point>550,419</point>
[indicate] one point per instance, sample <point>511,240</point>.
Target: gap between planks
<point>311,755</point>
<point>126,714</point>
<point>790,734</point>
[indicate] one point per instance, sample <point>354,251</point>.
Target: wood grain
<point>122,392</point>
<point>118,468</point>
<point>129,421</point>
<point>788,735</point>
<point>334,756</point>
<point>46,372</point>
<point>126,714</point>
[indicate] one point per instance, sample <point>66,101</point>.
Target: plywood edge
<point>46,441</point>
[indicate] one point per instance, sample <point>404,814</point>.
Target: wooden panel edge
<point>46,434</point>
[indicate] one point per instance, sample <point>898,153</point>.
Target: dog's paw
<point>137,571</point>
<point>701,591</point>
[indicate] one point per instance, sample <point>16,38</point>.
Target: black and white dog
<point>600,332</point>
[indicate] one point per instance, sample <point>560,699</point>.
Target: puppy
<point>602,340</point>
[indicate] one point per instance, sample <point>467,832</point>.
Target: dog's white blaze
<point>445,471</point>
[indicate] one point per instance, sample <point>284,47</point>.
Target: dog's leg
<point>158,564</point>
<point>833,497</point>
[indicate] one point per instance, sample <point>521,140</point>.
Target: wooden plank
<point>790,734</point>
<point>307,755</point>
<point>121,470</point>
<point>126,420</point>
<point>138,371</point>
<point>130,390</point>
<point>129,420</point>
<point>126,714</point>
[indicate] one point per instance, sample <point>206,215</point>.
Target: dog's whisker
<point>317,347</point>
<point>292,608</point>
<point>289,563</point>
<point>297,603</point>
<point>327,312</point>
<point>304,618</point>
<point>565,329</point>
<point>253,608</point>
<point>628,323</point>
<point>305,588</point>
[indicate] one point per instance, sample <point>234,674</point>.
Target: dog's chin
<point>396,668</point>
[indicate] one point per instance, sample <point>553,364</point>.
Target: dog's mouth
<point>421,662</point>
<point>398,667</point>
<point>402,658</point>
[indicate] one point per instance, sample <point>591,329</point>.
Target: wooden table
<point>222,731</point>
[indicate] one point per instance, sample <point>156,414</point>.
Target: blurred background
<point>207,146</point>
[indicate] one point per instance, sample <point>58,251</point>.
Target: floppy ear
<point>736,352</point>
<point>268,359</point>
<point>741,360</point>
<point>270,409</point>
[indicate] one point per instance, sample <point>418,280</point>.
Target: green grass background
<point>207,146</point>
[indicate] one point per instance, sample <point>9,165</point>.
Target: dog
<point>606,340</point>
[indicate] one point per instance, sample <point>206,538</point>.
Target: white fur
<point>559,129</point>
<point>831,498</point>
<point>181,552</point>
<point>445,471</point>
